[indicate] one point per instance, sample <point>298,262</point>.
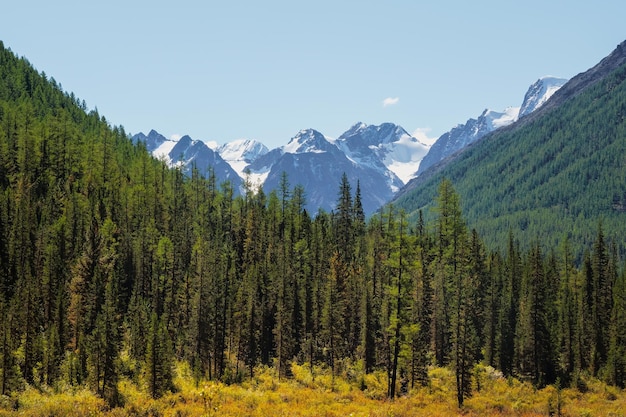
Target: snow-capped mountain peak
<point>242,152</point>
<point>308,140</point>
<point>246,150</point>
<point>388,145</point>
<point>496,119</point>
<point>539,92</point>
<point>463,135</point>
<point>355,129</point>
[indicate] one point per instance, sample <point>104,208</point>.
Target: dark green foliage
<point>158,364</point>
<point>616,366</point>
<point>533,350</point>
<point>113,266</point>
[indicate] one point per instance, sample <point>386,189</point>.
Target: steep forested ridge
<point>553,174</point>
<point>114,266</point>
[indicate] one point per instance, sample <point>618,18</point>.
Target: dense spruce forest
<point>112,264</point>
<point>549,177</point>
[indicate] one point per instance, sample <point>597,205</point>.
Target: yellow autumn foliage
<point>315,392</point>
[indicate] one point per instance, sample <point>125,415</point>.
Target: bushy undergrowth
<point>316,392</point>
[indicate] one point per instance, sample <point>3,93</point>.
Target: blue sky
<point>220,71</point>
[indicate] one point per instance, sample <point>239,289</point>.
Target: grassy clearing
<point>318,394</point>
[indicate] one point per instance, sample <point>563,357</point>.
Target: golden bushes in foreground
<point>314,392</point>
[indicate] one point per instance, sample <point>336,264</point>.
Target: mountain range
<point>381,159</point>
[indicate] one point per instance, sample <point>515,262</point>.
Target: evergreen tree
<point>568,338</point>
<point>400,291</point>
<point>616,372</point>
<point>423,307</point>
<point>105,339</point>
<point>334,312</point>
<point>449,242</point>
<point>602,301</point>
<point>533,347</point>
<point>506,341</point>
<point>493,306</point>
<point>158,363</point>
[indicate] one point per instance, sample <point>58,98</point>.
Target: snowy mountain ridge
<point>472,130</point>
<point>380,158</point>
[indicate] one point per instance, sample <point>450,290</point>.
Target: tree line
<point>113,265</point>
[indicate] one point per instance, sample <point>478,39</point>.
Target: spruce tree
<point>616,372</point>
<point>158,362</point>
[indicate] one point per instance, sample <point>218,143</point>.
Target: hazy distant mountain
<point>381,158</point>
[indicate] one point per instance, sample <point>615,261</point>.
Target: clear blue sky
<point>220,71</point>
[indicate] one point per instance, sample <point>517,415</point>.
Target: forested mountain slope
<point>555,173</point>
<point>88,224</point>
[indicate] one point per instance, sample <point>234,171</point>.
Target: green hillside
<point>553,176</point>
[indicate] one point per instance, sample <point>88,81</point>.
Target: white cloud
<point>176,136</point>
<point>390,101</point>
<point>421,134</point>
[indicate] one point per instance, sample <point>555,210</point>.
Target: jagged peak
<point>307,140</point>
<point>355,129</point>
<point>361,128</point>
<point>540,92</point>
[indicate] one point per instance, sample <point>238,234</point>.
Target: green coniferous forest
<point>105,253</point>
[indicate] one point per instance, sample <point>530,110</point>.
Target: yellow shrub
<point>319,394</point>
<point>81,402</point>
<point>375,385</point>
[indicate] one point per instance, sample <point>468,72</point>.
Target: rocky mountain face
<point>152,141</point>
